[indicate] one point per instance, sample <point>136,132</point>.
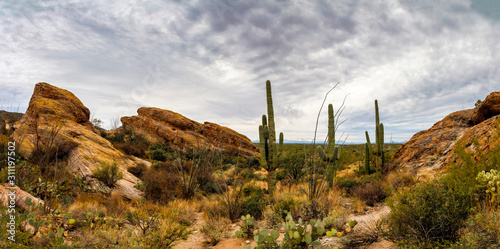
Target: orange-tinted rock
<point>56,113</point>
<point>181,133</point>
<point>427,148</point>
<point>490,107</point>
<point>433,149</point>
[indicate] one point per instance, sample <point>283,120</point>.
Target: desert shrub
<point>184,216</point>
<point>167,235</point>
<point>481,230</point>
<point>215,230</point>
<point>335,220</point>
<point>214,210</point>
<point>161,183</point>
<point>116,205</point>
<point>128,142</point>
<point>144,220</point>
<point>138,169</point>
<point>161,152</point>
<point>429,213</point>
<point>271,218</point>
<point>349,185</point>
<point>230,202</point>
<point>253,201</point>
<point>282,207</point>
<point>313,209</point>
<point>109,174</point>
<point>130,149</point>
<point>398,179</point>
<point>213,185</point>
<point>371,192</point>
<point>292,165</point>
<point>253,162</point>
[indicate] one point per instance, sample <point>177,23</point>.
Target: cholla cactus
<point>491,181</point>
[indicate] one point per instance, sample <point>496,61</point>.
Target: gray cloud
<point>209,60</point>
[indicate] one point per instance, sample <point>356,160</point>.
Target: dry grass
<point>349,171</point>
<point>116,205</point>
<point>400,178</point>
<point>215,230</point>
<point>85,203</point>
<point>182,211</point>
<point>358,205</point>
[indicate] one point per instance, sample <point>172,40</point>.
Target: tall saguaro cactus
<point>379,135</point>
<point>269,150</point>
<point>368,146</point>
<point>332,151</point>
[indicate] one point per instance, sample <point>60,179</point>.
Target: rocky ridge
<point>181,133</point>
<point>431,150</point>
<point>56,117</point>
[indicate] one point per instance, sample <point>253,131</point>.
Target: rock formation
<point>56,117</point>
<point>19,196</point>
<point>181,133</point>
<point>432,149</point>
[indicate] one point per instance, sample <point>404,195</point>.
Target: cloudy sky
<point>209,60</point>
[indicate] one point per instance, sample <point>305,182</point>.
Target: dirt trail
<point>196,240</point>
<point>371,217</point>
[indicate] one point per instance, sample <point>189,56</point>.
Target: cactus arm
<point>280,145</point>
<point>367,158</point>
<point>263,147</point>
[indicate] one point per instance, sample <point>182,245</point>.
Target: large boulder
<point>181,133</point>
<point>56,117</point>
<point>433,149</point>
<point>490,107</point>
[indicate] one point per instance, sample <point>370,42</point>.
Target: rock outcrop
<point>181,133</point>
<point>433,149</point>
<point>56,117</point>
<point>490,107</point>
<point>8,194</point>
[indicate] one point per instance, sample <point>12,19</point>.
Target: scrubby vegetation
<point>294,196</point>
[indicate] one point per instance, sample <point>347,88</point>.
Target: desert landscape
<point>162,180</point>
<point>250,124</point>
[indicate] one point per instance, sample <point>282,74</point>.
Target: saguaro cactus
<point>379,135</point>
<point>332,151</point>
<point>270,152</point>
<point>368,146</point>
<point>367,158</point>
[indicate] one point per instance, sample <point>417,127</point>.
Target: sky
<point>209,60</point>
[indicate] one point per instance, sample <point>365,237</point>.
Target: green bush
<point>271,218</point>
<point>482,230</point>
<point>215,230</point>
<point>371,192</point>
<point>253,201</point>
<point>285,206</point>
<point>335,220</point>
<point>314,209</point>
<point>161,152</point>
<point>167,238</point>
<point>348,184</point>
<point>429,213</point>
<point>109,174</point>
